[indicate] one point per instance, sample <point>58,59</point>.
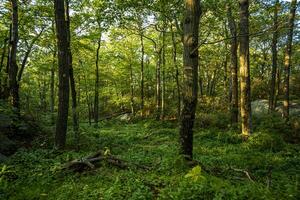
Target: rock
<point>125,117</point>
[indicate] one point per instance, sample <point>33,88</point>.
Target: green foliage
<point>149,143</point>
<point>265,141</point>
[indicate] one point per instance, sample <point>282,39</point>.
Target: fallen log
<point>97,159</point>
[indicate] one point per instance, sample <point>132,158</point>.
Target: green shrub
<point>264,141</point>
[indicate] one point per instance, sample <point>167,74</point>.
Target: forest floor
<point>265,167</point>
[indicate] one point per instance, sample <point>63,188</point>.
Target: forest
<point>149,99</point>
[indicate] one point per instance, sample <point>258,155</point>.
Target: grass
<point>273,165</point>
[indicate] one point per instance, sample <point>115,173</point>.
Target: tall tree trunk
<point>96,102</point>
<point>176,72</point>
<point>5,86</point>
<point>131,90</point>
<point>245,69</point>
<point>2,59</point>
<point>72,81</point>
<point>13,66</point>
<point>287,60</point>
<point>233,67</point>
<point>87,96</point>
<point>142,74</point>
<point>190,66</point>
<point>158,84</point>
<point>274,58</point>
<point>52,80</point>
<point>52,84</point>
<point>278,82</point>
<point>163,92</point>
<point>63,72</point>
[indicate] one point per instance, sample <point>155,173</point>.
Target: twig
<point>243,171</point>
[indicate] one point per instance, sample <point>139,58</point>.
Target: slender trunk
<point>52,84</point>
<point>209,77</point>
<point>5,86</point>
<point>200,85</point>
<point>274,59</point>
<point>190,66</point>
<point>277,91</point>
<point>245,69</point>
<point>176,73</point>
<point>87,96</point>
<point>287,61</point>
<point>142,75</point>
<point>163,92</point>
<point>63,71</point>
<point>3,56</point>
<point>52,81</point>
<point>72,81</point>
<point>96,102</point>
<point>158,84</point>
<point>233,67</point>
<point>26,56</point>
<point>13,67</point>
<point>131,90</point>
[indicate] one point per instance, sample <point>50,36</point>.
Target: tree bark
<point>245,69</point>
<point>163,92</point>
<point>234,110</point>
<point>96,102</point>
<point>72,82</point>
<point>176,73</point>
<point>63,72</point>
<point>287,60</point>
<point>3,56</point>
<point>52,80</point>
<point>13,66</point>
<point>158,84</point>
<point>87,96</point>
<point>52,84</point>
<point>274,58</point>
<point>190,66</point>
<point>142,74</point>
<point>1,67</point>
<point>131,89</point>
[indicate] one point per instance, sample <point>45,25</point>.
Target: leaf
<point>195,174</point>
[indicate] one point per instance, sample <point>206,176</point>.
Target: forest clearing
<point>149,99</point>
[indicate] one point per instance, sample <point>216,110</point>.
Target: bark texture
<point>96,100</point>
<point>274,58</point>
<point>233,67</point>
<point>13,66</point>
<point>63,74</point>
<point>190,67</point>
<point>245,69</point>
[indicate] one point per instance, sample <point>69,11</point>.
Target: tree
<point>190,67</point>
<point>96,100</point>
<point>274,58</point>
<point>13,66</point>
<point>245,69</point>
<point>233,66</point>
<point>72,80</point>
<point>63,74</point>
<point>287,60</point>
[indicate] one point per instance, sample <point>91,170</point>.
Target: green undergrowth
<point>273,165</point>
